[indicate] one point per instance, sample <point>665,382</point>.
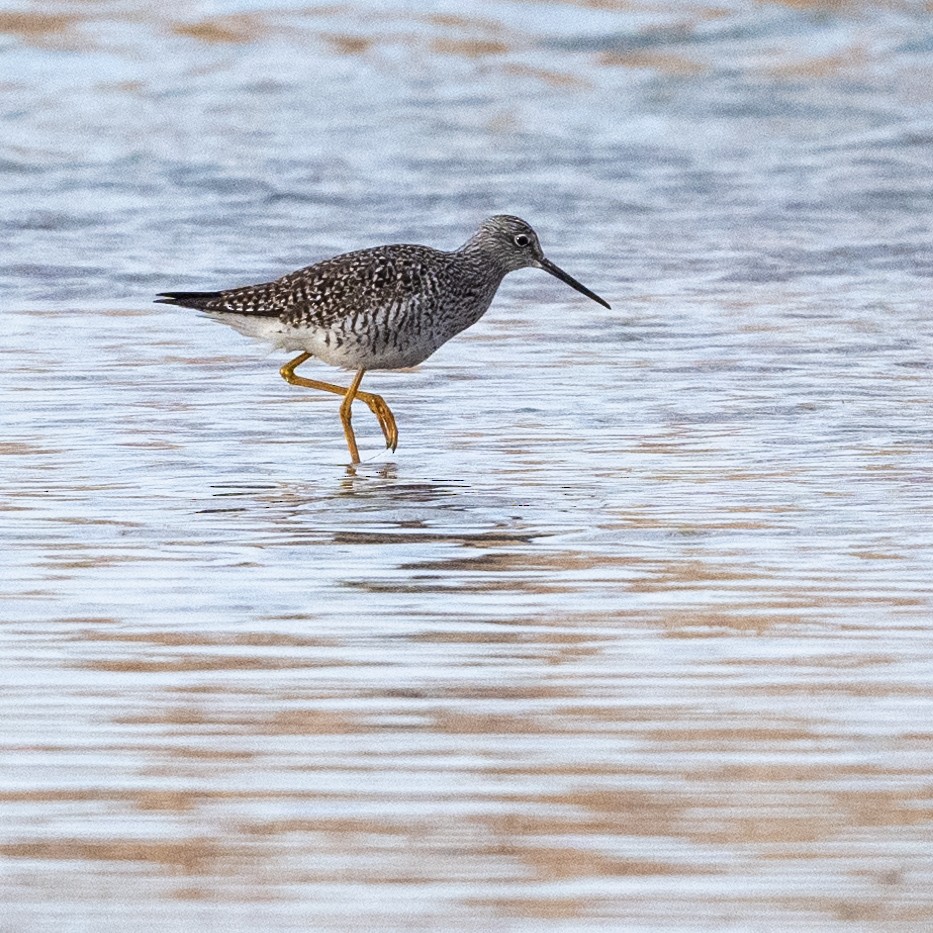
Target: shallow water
<point>633,631</point>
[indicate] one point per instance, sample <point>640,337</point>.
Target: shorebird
<point>388,307</point>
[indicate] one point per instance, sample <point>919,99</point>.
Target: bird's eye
<point>522,240</point>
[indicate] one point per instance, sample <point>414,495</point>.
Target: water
<point>634,630</point>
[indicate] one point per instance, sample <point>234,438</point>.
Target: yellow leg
<point>375,402</point>
<point>345,414</point>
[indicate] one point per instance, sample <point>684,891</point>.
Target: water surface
<point>633,631</point>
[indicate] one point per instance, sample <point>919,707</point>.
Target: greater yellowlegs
<point>388,307</point>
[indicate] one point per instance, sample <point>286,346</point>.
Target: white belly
<point>339,350</point>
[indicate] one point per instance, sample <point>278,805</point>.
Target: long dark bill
<point>559,273</point>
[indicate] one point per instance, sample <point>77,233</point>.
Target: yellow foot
<point>383,413</point>
<point>376,403</point>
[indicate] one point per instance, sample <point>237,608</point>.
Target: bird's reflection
<point>353,474</point>
<point>363,500</point>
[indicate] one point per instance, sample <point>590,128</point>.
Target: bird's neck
<point>476,255</point>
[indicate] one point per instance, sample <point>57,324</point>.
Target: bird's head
<point>512,244</point>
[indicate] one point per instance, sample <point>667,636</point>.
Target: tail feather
<point>199,300</point>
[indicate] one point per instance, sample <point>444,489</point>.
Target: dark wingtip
<point>198,300</point>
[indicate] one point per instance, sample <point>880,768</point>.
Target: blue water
<point>632,632</point>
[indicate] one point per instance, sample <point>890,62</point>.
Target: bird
<point>382,308</point>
